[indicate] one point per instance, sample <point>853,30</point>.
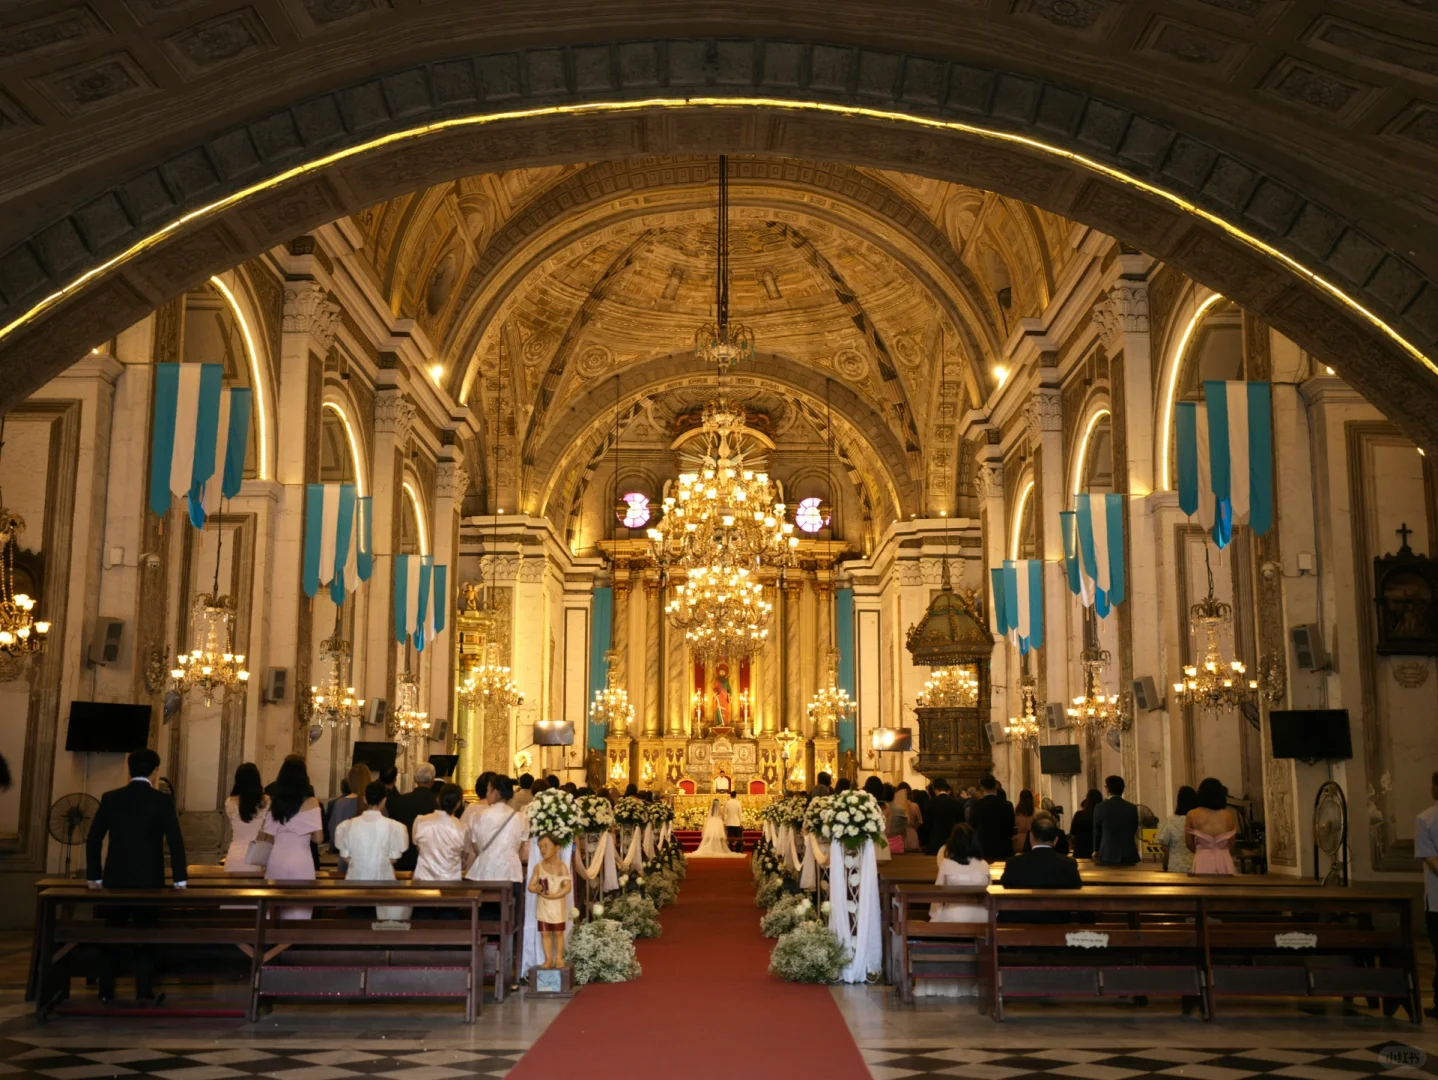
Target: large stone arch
<point>1250,214</point>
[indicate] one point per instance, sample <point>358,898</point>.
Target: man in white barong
<point>370,844</point>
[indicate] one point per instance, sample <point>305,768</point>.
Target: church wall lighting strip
<point>1019,508</point>
<point>777,104</point>
<point>1081,459</point>
<point>1180,353</point>
<point>257,380</point>
<point>418,518</point>
<point>355,455</point>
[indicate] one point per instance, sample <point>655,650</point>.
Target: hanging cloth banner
<point>1080,584</point>
<point>200,437</point>
<point>1224,451</point>
<point>420,599</point>
<point>1019,602</point>
<point>338,548</point>
<point>1098,520</point>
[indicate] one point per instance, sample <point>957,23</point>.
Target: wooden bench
<point>935,950</point>
<point>347,958</point>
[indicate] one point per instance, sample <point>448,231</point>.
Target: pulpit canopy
<point>952,631</point>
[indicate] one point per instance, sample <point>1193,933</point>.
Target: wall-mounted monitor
<point>1060,760</point>
<point>1310,734</point>
<point>107,727</point>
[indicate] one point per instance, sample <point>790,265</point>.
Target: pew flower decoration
<point>553,814</point>
<point>782,812</point>
<point>593,813</point>
<point>660,812</point>
<point>813,813</point>
<point>851,817</point>
<point>602,951</point>
<point>631,811</point>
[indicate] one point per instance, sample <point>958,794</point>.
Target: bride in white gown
<point>714,843</point>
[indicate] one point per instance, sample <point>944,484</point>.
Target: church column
<point>1123,320</point>
<point>989,494</point>
<point>1044,415</point>
<point>622,583</point>
<point>653,618</point>
<point>771,661</point>
<point>676,699</point>
<point>307,332</point>
<point>793,682</point>
<point>451,484</point>
<point>393,421</point>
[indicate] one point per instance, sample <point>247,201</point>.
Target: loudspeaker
<point>1308,651</point>
<point>277,682</point>
<point>1146,695</point>
<point>996,732</point>
<point>377,712</point>
<point>1056,715</point>
<point>105,644</point>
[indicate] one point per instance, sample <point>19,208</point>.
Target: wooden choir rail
<point>1188,941</point>
<point>247,917</point>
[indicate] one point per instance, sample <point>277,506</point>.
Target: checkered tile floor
<point>19,1061</point>
<point>1209,1064</point>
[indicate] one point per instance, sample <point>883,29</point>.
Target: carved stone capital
<point>1044,412</point>
<point>394,415</point>
<point>1124,312</point>
<point>989,480</point>
<point>309,310</point>
<point>451,481</point>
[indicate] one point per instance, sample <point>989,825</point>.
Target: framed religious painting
<point>1405,586</point>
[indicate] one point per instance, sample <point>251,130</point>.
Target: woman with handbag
<point>245,809</point>
<point>497,837</point>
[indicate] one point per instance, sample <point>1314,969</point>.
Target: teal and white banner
<point>1019,602</point>
<point>421,599</point>
<point>1224,452</point>
<point>338,544</point>
<point>1093,551</point>
<point>201,434</point>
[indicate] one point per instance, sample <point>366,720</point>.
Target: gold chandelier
<point>1215,684</point>
<point>1024,728</point>
<point>213,670</point>
<point>334,703</point>
<point>831,704</point>
<point>1093,710</point>
<point>490,684</point>
<point>955,687</point>
<point>20,633</point>
<point>611,705</point>
<point>408,722</point>
<point>721,610</point>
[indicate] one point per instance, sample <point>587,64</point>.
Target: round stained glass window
<point>808,516</point>
<point>636,512</point>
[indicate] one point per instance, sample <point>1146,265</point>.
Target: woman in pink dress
<point>1209,829</point>
<point>293,821</point>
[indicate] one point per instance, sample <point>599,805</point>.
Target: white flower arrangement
<point>814,812</point>
<point>789,911</point>
<point>660,812</point>
<point>809,953</point>
<point>636,913</point>
<point>851,817</point>
<point>595,813</point>
<point>553,814</point>
<point>783,812</point>
<point>631,810</point>
<point>602,951</point>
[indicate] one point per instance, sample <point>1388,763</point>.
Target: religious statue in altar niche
<point>723,696</point>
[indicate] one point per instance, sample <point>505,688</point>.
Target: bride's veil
<point>714,808</point>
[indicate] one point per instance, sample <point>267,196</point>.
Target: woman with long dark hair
<point>961,864</point>
<point>1209,829</point>
<point>293,822</point>
<point>1081,825</point>
<point>1023,818</point>
<point>245,811</point>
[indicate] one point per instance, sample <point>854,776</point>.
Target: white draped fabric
<point>854,880</point>
<point>602,863</point>
<point>784,844</point>
<point>816,858</point>
<point>633,858</point>
<point>649,840</point>
<point>532,954</point>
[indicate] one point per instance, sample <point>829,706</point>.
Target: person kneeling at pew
<point>1041,867</point>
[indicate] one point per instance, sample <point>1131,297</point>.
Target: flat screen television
<point>107,727</point>
<point>1311,734</point>
<point>377,755</point>
<point>444,765</point>
<point>1060,760</point>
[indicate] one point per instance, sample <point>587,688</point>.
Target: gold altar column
<point>619,634</point>
<point>793,655</point>
<point>823,639</point>
<point>676,699</point>
<point>771,659</point>
<point>653,619</point>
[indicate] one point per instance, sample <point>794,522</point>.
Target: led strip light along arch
<point>777,104</point>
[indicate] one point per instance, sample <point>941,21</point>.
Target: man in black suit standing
<point>992,817</point>
<point>941,815</point>
<point>823,787</point>
<point>139,821</point>
<point>1115,827</point>
<point>416,802</point>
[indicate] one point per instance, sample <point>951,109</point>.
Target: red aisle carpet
<point>706,1006</point>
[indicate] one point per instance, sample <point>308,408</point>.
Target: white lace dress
<point>714,842</point>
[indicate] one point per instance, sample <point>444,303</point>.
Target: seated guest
<point>1081,827</point>
<point>1061,845</point>
<point>1172,835</point>
<point>139,822</point>
<point>1041,867</point>
<point>245,811</point>
<point>943,814</point>
<point>1115,827</point>
<point>371,843</point>
<point>961,864</point>
<point>992,817</point>
<point>416,802</point>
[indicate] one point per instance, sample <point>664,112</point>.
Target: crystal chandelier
<point>721,610</point>
<point>611,705</point>
<point>1216,685</point>
<point>20,633</point>
<point>490,684</point>
<point>722,343</point>
<point>1024,728</point>
<point>213,669</point>
<point>408,722</point>
<point>955,687</point>
<point>334,703</point>
<point>1093,710</point>
<point>831,704</point>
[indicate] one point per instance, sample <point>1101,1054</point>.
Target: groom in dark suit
<point>139,821</point>
<point>1115,827</point>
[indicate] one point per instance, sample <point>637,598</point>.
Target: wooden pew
<point>935,950</point>
<point>247,918</point>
